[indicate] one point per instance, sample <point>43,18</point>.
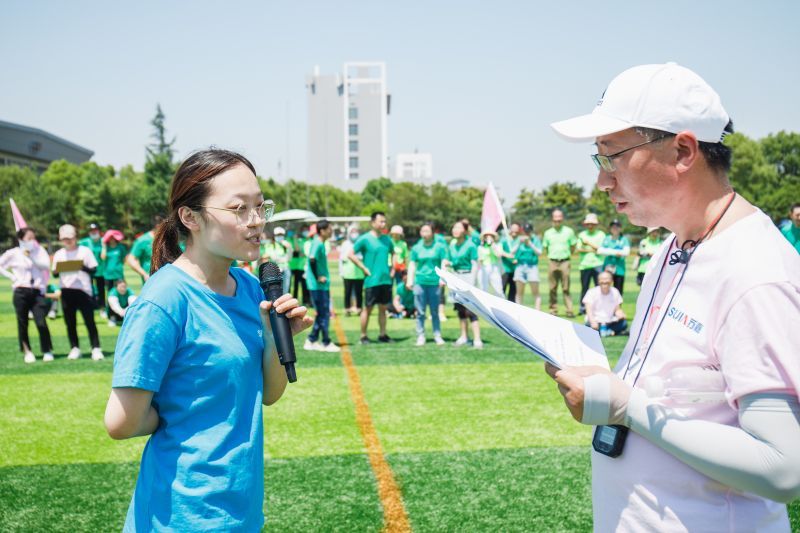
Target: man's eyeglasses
<point>244,214</point>
<point>604,162</point>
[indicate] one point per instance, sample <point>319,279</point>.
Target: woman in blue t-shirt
<point>195,359</point>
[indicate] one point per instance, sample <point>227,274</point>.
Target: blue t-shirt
<point>200,353</point>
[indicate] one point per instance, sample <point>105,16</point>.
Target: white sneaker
<point>421,340</point>
<point>74,353</point>
<point>29,357</point>
<point>103,314</point>
<point>438,340</point>
<point>51,315</point>
<point>332,348</point>
<point>461,341</point>
<point>478,345</point>
<point>442,317</point>
<point>47,357</point>
<point>97,354</point>
<point>312,346</point>
<point>112,324</point>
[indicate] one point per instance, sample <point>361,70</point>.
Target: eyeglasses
<point>604,162</point>
<point>245,214</point>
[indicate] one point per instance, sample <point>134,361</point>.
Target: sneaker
<point>384,338</point>
<point>51,315</point>
<point>442,317</point>
<point>478,345</point>
<point>461,341</point>
<point>112,323</point>
<point>30,315</point>
<point>421,340</point>
<point>365,340</point>
<point>74,353</point>
<point>330,347</point>
<point>97,354</point>
<point>103,314</point>
<point>311,346</point>
<point>47,357</point>
<point>438,340</point>
<point>29,357</point>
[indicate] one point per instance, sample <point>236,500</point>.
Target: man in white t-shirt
<point>716,445</point>
<point>604,307</point>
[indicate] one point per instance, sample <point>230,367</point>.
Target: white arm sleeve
<point>761,457</point>
<point>113,303</point>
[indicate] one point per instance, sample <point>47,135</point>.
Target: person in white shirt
<point>712,445</point>
<point>604,307</point>
<point>27,267</point>
<point>76,291</point>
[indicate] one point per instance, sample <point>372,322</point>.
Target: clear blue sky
<point>474,83</point>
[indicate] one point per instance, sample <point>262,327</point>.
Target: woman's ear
<point>189,218</point>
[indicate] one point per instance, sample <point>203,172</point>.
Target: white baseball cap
<point>665,97</point>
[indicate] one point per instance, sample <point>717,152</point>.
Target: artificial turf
<point>477,440</point>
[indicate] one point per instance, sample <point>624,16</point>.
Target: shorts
<point>527,273</point>
<point>378,295</point>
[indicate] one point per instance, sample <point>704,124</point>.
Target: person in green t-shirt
<point>490,272</point>
<point>319,284</point>
<point>376,249</point>
<point>278,250</point>
<point>93,242</point>
<point>297,264</point>
<point>403,302</point>
<point>113,253</point>
<point>615,248</point>
<point>141,253</point>
<point>559,243</point>
<point>792,230</point>
<point>509,242</point>
<point>526,263</point>
<point>647,248</point>
<point>352,275</point>
<point>400,252</point>
<point>463,260</point>
<point>590,262</point>
<point>426,256</point>
<point>120,297</point>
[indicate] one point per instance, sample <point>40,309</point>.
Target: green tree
<point>566,196</point>
<point>159,168</point>
<point>13,180</point>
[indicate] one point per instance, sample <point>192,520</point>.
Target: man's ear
<point>687,151</point>
<point>189,218</point>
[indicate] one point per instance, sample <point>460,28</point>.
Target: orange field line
<point>395,518</point>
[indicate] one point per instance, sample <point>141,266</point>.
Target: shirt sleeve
<point>757,343</point>
<point>89,259</point>
<point>147,342</point>
<point>358,247</point>
<point>414,255</point>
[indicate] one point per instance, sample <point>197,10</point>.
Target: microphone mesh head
<point>268,270</point>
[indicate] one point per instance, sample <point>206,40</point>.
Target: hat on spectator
<point>67,231</point>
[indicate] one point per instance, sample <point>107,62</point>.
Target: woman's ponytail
<point>166,243</point>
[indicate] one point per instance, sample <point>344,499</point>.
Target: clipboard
<point>68,266</point>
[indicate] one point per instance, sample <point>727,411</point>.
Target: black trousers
<point>587,275</point>
<point>31,300</point>
<point>509,287</point>
<point>353,288</point>
<point>619,282</point>
<point>299,277</point>
<point>74,300</point>
<point>100,291</point>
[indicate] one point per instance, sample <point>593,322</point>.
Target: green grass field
<point>477,440</point>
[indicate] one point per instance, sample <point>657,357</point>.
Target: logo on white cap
<point>666,97</point>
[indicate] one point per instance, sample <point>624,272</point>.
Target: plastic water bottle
<point>605,331</point>
<point>687,384</point>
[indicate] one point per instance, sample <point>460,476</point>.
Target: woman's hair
<point>22,232</point>
<point>190,187</point>
<point>463,224</point>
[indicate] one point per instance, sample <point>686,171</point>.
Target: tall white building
<point>416,167</point>
<point>347,123</point>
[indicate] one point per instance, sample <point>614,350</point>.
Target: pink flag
<point>492,215</point>
<point>19,222</point>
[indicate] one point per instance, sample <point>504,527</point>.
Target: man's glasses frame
<point>606,163</point>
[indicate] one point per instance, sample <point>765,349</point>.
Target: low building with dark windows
<point>32,147</point>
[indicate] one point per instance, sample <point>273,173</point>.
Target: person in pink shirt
<point>27,266</point>
<point>698,426</point>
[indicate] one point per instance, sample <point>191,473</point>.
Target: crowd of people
<point>85,276</point>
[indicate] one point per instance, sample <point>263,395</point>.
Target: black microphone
<point>269,275</point>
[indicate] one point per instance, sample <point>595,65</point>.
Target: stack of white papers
<point>559,342</point>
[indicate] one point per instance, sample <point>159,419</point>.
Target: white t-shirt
<point>603,305</point>
<point>736,312</point>
<point>30,271</point>
<point>76,280</point>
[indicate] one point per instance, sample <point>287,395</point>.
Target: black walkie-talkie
<point>609,440</point>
